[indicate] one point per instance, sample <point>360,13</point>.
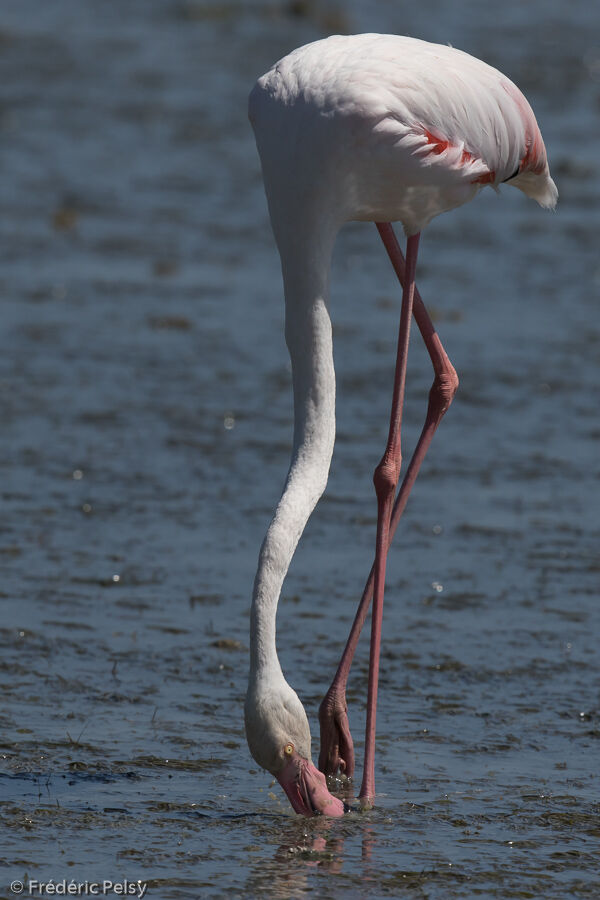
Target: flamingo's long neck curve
<point>305,257</point>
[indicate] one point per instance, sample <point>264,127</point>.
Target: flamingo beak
<point>307,789</point>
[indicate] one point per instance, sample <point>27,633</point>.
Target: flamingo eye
<point>288,749</point>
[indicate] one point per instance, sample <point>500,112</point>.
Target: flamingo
<point>377,128</point>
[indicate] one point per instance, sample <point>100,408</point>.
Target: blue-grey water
<point>145,427</point>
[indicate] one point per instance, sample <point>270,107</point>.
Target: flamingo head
<point>278,736</point>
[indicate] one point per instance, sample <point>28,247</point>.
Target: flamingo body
<point>392,128</point>
<point>365,127</point>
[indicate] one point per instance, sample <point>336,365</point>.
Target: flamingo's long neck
<point>305,265</point>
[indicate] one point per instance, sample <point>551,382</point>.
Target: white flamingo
<point>378,128</point>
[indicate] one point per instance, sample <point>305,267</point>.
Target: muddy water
<point>146,423</point>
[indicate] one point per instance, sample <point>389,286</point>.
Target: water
<point>146,423</point>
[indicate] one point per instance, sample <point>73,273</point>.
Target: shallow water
<point>146,424</point>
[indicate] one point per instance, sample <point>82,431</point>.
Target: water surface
<point>146,426</point>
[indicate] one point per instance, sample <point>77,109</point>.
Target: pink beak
<point>307,789</point>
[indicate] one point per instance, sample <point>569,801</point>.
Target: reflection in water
<point>316,851</point>
<point>293,862</point>
<point>368,841</point>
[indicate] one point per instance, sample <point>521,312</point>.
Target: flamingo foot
<point>337,747</point>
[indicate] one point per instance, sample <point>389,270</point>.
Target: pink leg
<point>385,480</point>
<point>337,751</point>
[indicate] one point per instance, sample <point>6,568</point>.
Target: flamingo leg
<point>385,479</point>
<point>337,751</point>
